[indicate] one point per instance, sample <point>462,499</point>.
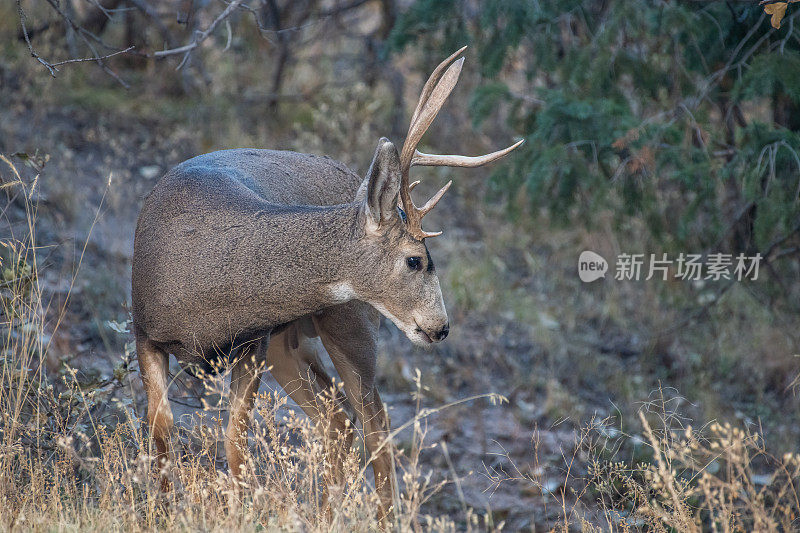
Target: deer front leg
<point>245,379</point>
<point>349,333</point>
<point>153,368</point>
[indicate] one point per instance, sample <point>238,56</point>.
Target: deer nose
<point>443,333</point>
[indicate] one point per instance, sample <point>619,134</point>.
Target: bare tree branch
<point>83,33</point>
<point>89,32</point>
<point>53,67</point>
<point>95,58</point>
<point>79,29</point>
<point>200,36</point>
<point>22,19</point>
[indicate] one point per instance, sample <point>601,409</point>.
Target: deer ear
<point>380,196</point>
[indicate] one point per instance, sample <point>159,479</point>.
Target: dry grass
<point>678,478</point>
<point>669,477</point>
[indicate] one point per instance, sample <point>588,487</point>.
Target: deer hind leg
<point>294,362</point>
<point>245,379</point>
<point>153,368</point>
<point>349,333</point>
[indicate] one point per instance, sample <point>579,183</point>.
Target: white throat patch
<point>342,292</point>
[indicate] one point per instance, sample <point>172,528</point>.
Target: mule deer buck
<point>243,257</point>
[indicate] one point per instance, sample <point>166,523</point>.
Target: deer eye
<point>414,263</point>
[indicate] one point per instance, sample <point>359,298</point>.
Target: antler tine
<point>430,204</point>
<point>421,159</point>
<point>434,77</point>
<point>427,110</point>
<point>426,234</point>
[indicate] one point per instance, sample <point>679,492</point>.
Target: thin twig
<point>22,18</point>
<point>200,36</point>
<point>83,59</point>
<point>83,33</point>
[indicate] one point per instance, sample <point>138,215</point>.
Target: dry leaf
<point>777,10</point>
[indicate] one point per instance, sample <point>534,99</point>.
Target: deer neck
<point>305,257</point>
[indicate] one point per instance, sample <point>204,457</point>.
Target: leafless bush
<point>96,31</point>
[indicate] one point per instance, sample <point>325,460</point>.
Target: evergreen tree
<point>683,114</point>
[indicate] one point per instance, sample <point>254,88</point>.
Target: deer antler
<point>433,96</point>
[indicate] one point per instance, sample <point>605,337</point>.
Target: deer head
<point>409,295</point>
